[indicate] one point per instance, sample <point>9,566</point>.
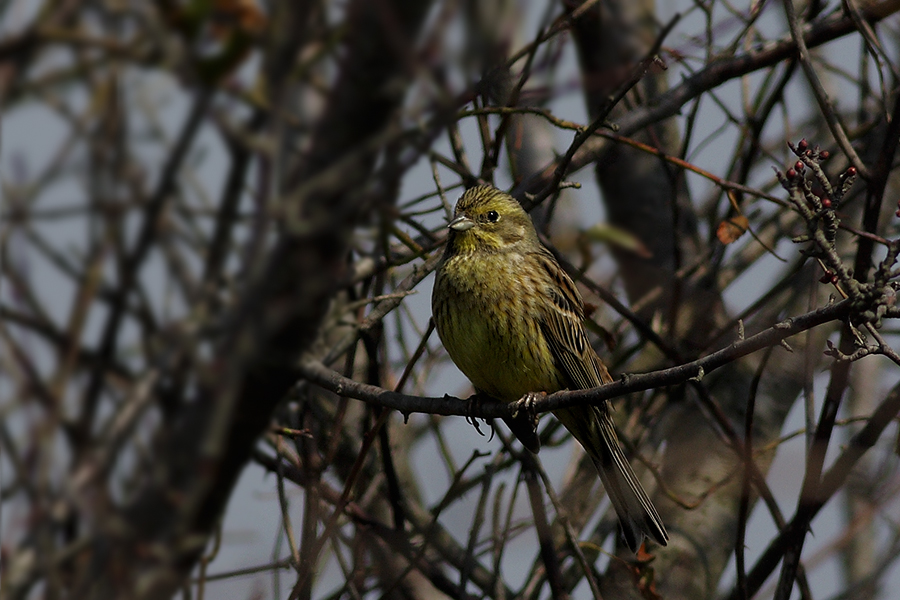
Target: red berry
<point>826,277</point>
<point>834,278</point>
<point>791,173</point>
<point>824,154</point>
<point>802,145</point>
<point>799,166</point>
<point>826,202</point>
<point>897,213</point>
<point>851,172</point>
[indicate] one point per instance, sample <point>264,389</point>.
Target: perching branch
<point>317,373</point>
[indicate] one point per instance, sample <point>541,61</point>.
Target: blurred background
<point>215,210</point>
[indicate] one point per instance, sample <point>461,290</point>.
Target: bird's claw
<point>473,405</point>
<point>526,403</point>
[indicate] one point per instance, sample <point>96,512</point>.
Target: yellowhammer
<point>511,320</point>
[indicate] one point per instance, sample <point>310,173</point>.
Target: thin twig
<point>827,110</point>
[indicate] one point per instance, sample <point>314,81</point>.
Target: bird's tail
<point>594,429</point>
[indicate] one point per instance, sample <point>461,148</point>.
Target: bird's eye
<point>493,216</point>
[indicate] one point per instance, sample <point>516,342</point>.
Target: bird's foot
<point>473,405</point>
<point>526,403</point>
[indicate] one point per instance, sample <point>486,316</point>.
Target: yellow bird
<point>512,321</point>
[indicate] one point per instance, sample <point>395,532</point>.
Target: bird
<point>512,321</point>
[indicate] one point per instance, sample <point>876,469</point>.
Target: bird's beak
<point>461,223</point>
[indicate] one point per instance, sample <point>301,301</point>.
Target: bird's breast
<point>487,314</point>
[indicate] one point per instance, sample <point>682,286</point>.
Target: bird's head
<point>487,219</point>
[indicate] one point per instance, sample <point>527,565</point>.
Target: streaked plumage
<point>512,321</point>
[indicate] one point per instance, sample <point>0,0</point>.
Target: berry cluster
<point>816,199</point>
<point>812,192</point>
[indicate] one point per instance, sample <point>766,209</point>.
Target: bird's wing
<point>592,426</point>
<point>563,327</point>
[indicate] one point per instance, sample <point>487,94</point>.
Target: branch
<point>583,136</point>
<point>825,104</point>
<point>670,103</point>
<point>315,372</point>
<point>830,483</point>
